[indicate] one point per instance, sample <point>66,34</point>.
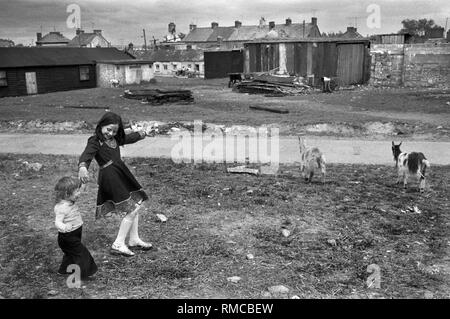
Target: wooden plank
<point>290,53</point>
<point>269,109</point>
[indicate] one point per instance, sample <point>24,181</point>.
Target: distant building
<point>51,39</point>
<point>125,72</point>
<point>41,70</point>
<point>89,40</point>
<point>168,62</point>
<point>234,37</point>
<point>351,33</point>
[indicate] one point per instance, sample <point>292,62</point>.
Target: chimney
<point>271,25</point>
<point>79,31</point>
<point>172,28</point>
<point>237,24</point>
<point>262,22</point>
<point>351,29</point>
<point>314,21</point>
<point>97,31</point>
<point>192,27</point>
<point>214,25</point>
<point>288,22</point>
<point>39,36</point>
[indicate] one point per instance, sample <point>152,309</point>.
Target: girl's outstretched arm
<point>134,137</point>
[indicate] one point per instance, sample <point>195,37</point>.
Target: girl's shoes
<point>140,244</point>
<point>121,250</point>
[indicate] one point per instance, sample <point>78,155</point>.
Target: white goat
<point>413,164</point>
<point>311,158</point>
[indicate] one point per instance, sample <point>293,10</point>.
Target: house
<point>168,62</point>
<point>234,37</point>
<point>53,38</point>
<point>351,33</point>
<point>38,70</point>
<point>347,61</point>
<point>123,72</point>
<point>89,40</point>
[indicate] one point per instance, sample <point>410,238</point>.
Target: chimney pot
<point>214,25</point>
<point>97,31</point>
<point>271,25</point>
<point>288,21</point>
<point>237,24</point>
<point>172,27</point>
<point>192,27</point>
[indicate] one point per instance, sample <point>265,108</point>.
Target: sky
<point>123,21</point>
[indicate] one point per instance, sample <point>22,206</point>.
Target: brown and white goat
<point>412,164</point>
<point>311,159</point>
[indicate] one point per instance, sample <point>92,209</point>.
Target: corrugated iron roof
<point>173,56</point>
<point>57,56</point>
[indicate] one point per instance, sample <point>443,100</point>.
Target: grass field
<point>411,112</point>
<point>215,219</point>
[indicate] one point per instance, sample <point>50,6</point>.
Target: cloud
<point>123,21</point>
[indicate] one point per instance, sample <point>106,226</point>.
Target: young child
<point>118,190</point>
<point>69,224</point>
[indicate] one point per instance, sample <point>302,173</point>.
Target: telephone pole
<point>145,41</point>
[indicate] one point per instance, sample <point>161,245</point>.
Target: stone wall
<point>427,65</point>
<point>387,64</point>
<point>410,65</point>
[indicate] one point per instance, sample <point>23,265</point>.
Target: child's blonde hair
<point>65,187</point>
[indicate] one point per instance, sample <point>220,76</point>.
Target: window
<point>165,66</point>
<point>157,67</point>
<point>84,73</point>
<point>197,67</point>
<point>3,81</point>
<point>174,66</point>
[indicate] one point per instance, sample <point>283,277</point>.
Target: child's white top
<point>68,217</point>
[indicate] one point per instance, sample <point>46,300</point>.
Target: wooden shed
<point>218,64</point>
<point>347,61</point>
<point>48,69</point>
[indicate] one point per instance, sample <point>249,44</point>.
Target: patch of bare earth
<point>216,219</point>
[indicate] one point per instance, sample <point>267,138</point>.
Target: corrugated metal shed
<point>17,57</point>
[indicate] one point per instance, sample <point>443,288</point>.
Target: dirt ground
<point>359,217</point>
<point>363,111</point>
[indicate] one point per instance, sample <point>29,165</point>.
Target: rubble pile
<point>272,85</point>
<point>158,96</point>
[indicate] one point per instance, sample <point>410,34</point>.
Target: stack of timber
<point>272,85</point>
<point>157,96</point>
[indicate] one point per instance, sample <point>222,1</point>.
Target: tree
<point>420,29</point>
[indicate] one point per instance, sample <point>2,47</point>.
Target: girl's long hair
<point>107,119</point>
<point>65,187</point>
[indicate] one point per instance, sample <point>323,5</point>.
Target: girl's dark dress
<point>118,190</point>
